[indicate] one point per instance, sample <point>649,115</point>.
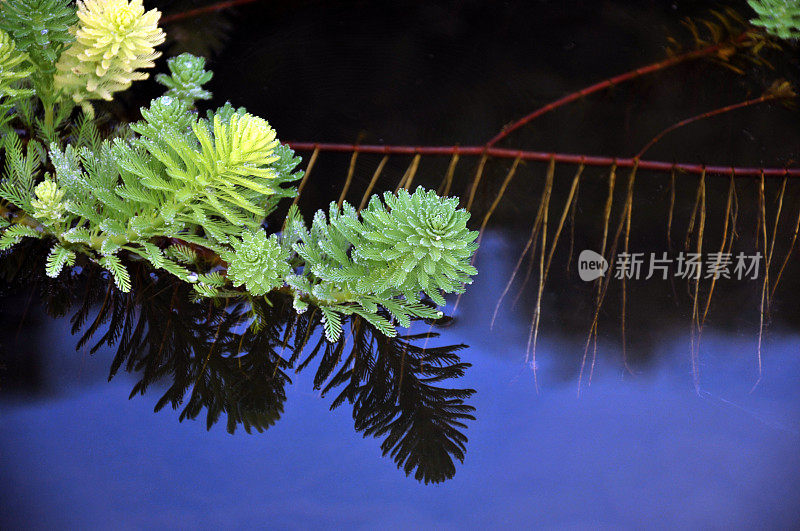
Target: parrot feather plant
<point>114,40</point>
<point>189,194</point>
<point>779,18</point>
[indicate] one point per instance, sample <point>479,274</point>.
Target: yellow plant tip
<point>114,39</point>
<point>780,89</point>
<point>243,145</point>
<point>48,204</point>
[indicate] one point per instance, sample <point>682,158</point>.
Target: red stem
<point>207,9</point>
<point>544,157</point>
<point>709,114</point>
<point>627,76</point>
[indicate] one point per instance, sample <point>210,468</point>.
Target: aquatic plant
<point>190,194</point>
<point>256,262</point>
<point>48,205</point>
<point>114,40</point>
<point>780,18</point>
<point>425,240</point>
<point>186,79</point>
<point>13,70</point>
<point>41,29</point>
<point>723,37</point>
<point>386,259</point>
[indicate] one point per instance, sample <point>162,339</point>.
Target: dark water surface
<point>638,448</point>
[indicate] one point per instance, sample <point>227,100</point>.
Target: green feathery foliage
<point>780,18</point>
<point>13,70</point>
<point>221,174</point>
<point>21,169</point>
<point>41,28</point>
<point>188,181</point>
<point>405,245</point>
<point>186,79</point>
<point>108,210</point>
<point>16,233</point>
<point>58,258</point>
<point>188,194</point>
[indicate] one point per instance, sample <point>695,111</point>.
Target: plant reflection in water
<point>203,358</point>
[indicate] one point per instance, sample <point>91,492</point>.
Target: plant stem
<point>49,110</point>
<point>709,114</point>
<point>18,218</point>
<point>206,9</point>
<point>608,83</point>
<point>567,158</point>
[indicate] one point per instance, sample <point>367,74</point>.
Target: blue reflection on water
<point>631,452</point>
<point>628,452</point>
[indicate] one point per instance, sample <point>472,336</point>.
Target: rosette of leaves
<point>331,280</point>
<point>48,205</point>
<point>422,240</point>
<point>114,39</point>
<point>407,244</point>
<point>257,262</point>
<point>39,28</point>
<point>186,79</point>
<point>780,18</point>
<point>220,174</point>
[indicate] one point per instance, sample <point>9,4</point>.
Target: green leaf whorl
<point>48,205</point>
<point>186,79</point>
<point>424,239</point>
<point>258,262</point>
